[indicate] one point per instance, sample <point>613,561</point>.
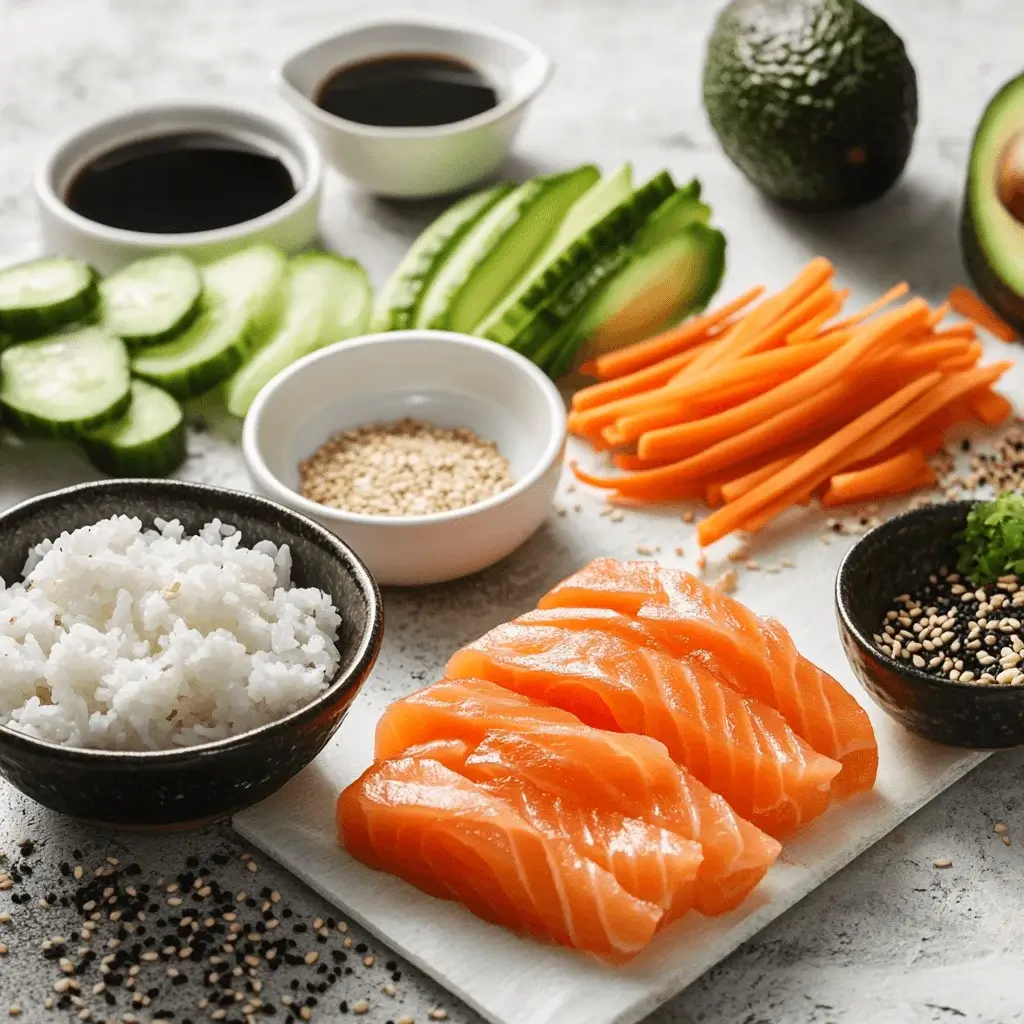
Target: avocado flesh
<point>992,237</point>
<point>815,101</point>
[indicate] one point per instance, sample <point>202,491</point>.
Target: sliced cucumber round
<point>327,299</point>
<point>151,300</point>
<point>398,301</point>
<point>149,440</point>
<point>42,296</point>
<point>65,384</point>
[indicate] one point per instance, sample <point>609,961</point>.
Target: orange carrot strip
<point>923,476</point>
<point>938,314</point>
<point>633,462</point>
<point>971,307</point>
<point>957,331</point>
<point>810,329</point>
<point>633,383</point>
<point>813,468</point>
<point>689,437</point>
<point>823,297</point>
<point>892,476</point>
<point>897,291</point>
<point>750,328</point>
<point>991,408</point>
<point>668,343</point>
<point>929,354</point>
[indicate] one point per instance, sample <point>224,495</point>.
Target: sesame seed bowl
<point>893,578</point>
<point>185,786</point>
<point>498,423</point>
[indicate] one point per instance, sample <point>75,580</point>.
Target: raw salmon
<point>491,734</point>
<point>755,656</point>
<point>737,747</point>
<point>450,837</point>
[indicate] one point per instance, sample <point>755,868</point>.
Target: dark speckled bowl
<point>193,785</point>
<point>894,558</point>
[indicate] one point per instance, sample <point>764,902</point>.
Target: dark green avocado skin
<point>814,100</point>
<point>991,287</point>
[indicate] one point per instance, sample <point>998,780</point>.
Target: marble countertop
<point>891,939</point>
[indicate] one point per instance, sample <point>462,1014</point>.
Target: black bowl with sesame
<point>193,785</point>
<point>901,575</point>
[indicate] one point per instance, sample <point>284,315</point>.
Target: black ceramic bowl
<point>189,786</point>
<point>898,557</point>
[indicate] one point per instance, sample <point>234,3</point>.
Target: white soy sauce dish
<point>416,159</point>
<point>445,379</point>
<point>198,178</point>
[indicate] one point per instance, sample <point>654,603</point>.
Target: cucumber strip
<point>398,301</point>
<point>497,251</point>
<point>64,384</point>
<point>149,440</point>
<point>656,289</point>
<point>243,299</point>
<point>598,246</point>
<point>590,208</point>
<point>327,299</point>
<point>42,296</point>
<point>152,299</point>
<point>670,219</point>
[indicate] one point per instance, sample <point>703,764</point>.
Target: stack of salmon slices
<point>593,770</point>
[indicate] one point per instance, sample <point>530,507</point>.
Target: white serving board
<point>514,981</point>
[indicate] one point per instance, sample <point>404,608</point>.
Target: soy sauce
<point>179,183</point>
<point>407,90</point>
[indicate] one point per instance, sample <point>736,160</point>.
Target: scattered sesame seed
<point>999,828</point>
<point>438,1014</point>
<point>360,1006</point>
<point>1006,840</point>
<point>942,862</point>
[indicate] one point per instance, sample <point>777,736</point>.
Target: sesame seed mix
<point>189,948</point>
<point>955,630</point>
<point>404,468</point>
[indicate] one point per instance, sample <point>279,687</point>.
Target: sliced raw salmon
<point>737,747</point>
<point>755,656</point>
<point>489,734</point>
<point>450,837</point>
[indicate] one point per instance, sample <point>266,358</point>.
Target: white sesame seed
<point>942,862</point>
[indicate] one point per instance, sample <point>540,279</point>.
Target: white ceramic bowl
<point>414,162</point>
<point>291,227</point>
<point>447,379</point>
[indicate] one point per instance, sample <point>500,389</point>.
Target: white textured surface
<point>889,940</point>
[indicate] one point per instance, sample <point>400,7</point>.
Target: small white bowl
<point>416,162</point>
<point>291,227</point>
<point>450,380</point>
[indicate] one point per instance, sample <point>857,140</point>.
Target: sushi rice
<point>124,638</point>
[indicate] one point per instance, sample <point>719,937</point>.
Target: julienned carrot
<point>967,330</point>
<point>892,476</point>
<point>924,476</point>
<point>821,298</point>
<point>813,468</point>
<point>811,328</point>
<point>969,306</point>
<point>627,460</point>
<point>633,383</point>
<point>965,360</point>
<point>991,408</point>
<point>952,388</point>
<point>765,314</point>
<point>938,314</point>
<point>686,438</point>
<point>741,484</point>
<point>759,438</point>
<point>929,354</point>
<point>668,343</point>
<point>897,291</point>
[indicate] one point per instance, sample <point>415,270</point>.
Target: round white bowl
<point>420,161</point>
<point>291,227</point>
<point>450,380</point>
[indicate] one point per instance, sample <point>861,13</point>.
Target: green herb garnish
<point>993,543</point>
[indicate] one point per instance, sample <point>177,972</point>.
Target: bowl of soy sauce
<point>412,108</point>
<point>200,178</point>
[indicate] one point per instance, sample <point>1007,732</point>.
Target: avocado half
<point>992,229</point>
<point>814,100</point>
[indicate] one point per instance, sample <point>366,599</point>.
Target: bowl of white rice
<point>172,652</point>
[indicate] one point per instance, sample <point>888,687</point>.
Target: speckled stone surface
<point>891,940</point>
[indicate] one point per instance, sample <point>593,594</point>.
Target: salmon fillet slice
<point>755,656</point>
<point>451,838</point>
<point>737,747</point>
<point>489,733</point>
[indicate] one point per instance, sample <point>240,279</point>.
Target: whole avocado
<point>814,100</point>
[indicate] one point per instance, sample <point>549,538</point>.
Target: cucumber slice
<point>398,301</point>
<point>152,299</point>
<point>591,207</point>
<point>327,299</point>
<point>243,298</point>
<point>655,289</point>
<point>672,218</point>
<point>149,440</point>
<point>587,260</point>
<point>64,384</point>
<point>42,296</point>
<point>496,252</point>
